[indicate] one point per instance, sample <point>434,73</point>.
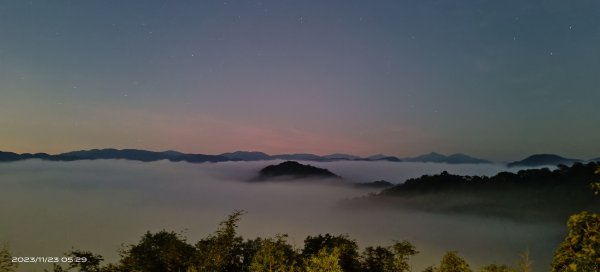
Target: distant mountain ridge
<point>260,156</point>
<point>543,159</point>
<point>9,156</point>
<point>141,155</point>
<point>150,156</point>
<point>175,156</point>
<point>247,155</point>
<point>339,156</point>
<point>111,153</point>
<point>457,158</point>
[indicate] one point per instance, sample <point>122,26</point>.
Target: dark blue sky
<point>495,79</point>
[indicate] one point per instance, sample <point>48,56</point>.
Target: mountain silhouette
<point>247,156</point>
<point>137,155</point>
<point>150,156</point>
<point>376,157</point>
<point>294,170</point>
<point>543,159</point>
<point>125,154</point>
<point>199,158</point>
<point>431,157</point>
<point>9,156</point>
<point>531,194</point>
<point>457,158</point>
<point>340,156</point>
<point>381,157</point>
<point>175,156</point>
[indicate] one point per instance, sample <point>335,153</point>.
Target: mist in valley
<point>47,208</point>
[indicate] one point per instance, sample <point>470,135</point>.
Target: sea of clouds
<point>47,208</point>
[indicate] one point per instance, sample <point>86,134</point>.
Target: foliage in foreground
<point>224,250</point>
<point>6,264</point>
<point>580,251</point>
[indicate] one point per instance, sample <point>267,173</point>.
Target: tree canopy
<point>580,251</point>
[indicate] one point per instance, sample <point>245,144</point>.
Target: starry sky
<point>494,79</point>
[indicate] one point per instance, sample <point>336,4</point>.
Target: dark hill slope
<point>543,159</point>
<point>294,170</point>
<point>457,158</point>
<point>247,156</point>
<point>529,195</point>
<point>9,156</point>
<point>142,155</point>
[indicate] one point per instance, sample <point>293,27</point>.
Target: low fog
<point>47,208</point>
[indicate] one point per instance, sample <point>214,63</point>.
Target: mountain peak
<point>294,170</point>
<point>341,156</point>
<point>456,158</point>
<point>543,159</point>
<point>247,156</point>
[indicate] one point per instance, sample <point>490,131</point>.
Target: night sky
<point>494,79</point>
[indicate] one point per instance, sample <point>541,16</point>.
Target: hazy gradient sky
<point>494,79</point>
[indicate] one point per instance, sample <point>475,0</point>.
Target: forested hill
<point>294,170</point>
<point>533,194</point>
<point>578,176</point>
